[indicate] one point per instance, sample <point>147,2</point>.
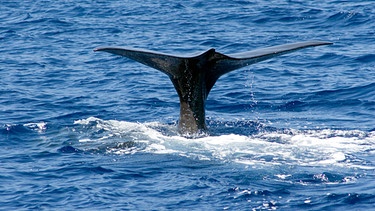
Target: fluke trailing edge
<point>194,76</point>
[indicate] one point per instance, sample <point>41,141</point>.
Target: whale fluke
<point>194,76</point>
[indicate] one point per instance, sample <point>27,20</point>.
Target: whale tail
<point>194,76</point>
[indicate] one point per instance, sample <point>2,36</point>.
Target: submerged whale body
<point>194,76</point>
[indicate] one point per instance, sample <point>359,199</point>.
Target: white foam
<point>283,176</point>
<point>306,147</point>
<point>38,126</point>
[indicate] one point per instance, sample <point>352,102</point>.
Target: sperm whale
<point>194,76</point>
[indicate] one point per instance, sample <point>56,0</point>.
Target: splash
<point>293,147</point>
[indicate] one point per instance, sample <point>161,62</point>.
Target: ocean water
<point>84,130</point>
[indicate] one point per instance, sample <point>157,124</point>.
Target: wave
<point>355,92</point>
<point>24,128</point>
<point>272,147</point>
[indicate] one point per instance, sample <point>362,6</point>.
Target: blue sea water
<point>83,130</point>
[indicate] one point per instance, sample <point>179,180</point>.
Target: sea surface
<point>84,130</point>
